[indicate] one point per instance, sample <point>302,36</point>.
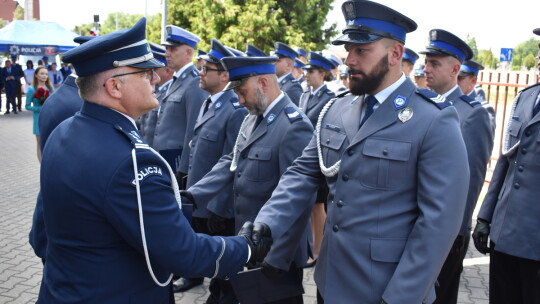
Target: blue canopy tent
<point>35,38</point>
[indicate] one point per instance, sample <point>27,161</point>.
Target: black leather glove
<point>215,223</point>
<point>271,271</point>
<point>259,239</point>
<point>480,235</point>
<point>187,198</point>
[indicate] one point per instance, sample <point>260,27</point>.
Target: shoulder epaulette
<point>235,103</point>
<point>433,97</point>
<point>469,100</point>
<point>194,73</point>
<point>295,81</point>
<point>343,94</point>
<point>329,92</point>
<point>133,137</point>
<point>532,86</point>
<point>292,114</point>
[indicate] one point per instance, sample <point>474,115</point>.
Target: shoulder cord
<point>332,170</point>
<point>234,162</point>
<point>506,150</point>
<point>141,220</point>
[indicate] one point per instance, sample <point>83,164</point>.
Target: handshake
<point>259,239</point>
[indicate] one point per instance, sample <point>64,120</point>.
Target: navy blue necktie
<point>257,122</point>
<point>370,101</point>
<point>536,108</point>
<point>206,105</point>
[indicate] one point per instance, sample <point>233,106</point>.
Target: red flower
<point>41,94</point>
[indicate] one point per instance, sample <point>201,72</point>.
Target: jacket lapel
<point>528,108</point>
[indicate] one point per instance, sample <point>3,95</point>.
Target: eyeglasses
<point>149,74</point>
<point>205,69</point>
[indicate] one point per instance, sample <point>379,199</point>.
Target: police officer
<point>61,105</point>
<point>467,80</point>
<point>408,61</point>
<point>389,153</point>
<point>182,101</point>
<point>270,139</point>
<point>302,54</point>
<point>444,56</point>
<point>284,69</point>
<point>111,203</point>
<point>335,85</point>
<point>165,73</point>
<point>510,213</point>
<point>298,73</point>
<point>318,70</point>
<point>253,51</point>
<point>420,77</point>
<point>214,135</point>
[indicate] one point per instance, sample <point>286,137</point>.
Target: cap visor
<point>235,83</point>
<point>171,43</point>
<point>150,64</point>
<point>356,37</point>
<point>436,52</point>
<point>463,73</point>
<point>209,59</point>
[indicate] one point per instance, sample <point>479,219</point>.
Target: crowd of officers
<point>166,172</point>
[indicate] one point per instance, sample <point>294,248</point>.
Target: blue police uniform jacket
<point>95,253</point>
<point>511,203</point>
<point>314,105</point>
<point>263,156</point>
<point>391,218</point>
<point>214,136</point>
<point>478,136</point>
<point>61,105</point>
<point>176,118</point>
<point>291,87</point>
<point>149,120</point>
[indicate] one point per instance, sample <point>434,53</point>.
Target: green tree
<point>18,14</point>
<point>529,61</point>
<point>487,59</point>
<point>522,50</point>
<point>259,22</point>
<point>471,41</point>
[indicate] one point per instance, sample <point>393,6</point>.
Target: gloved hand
<point>215,223</point>
<point>480,235</point>
<point>259,239</point>
<point>187,198</point>
<point>271,271</point>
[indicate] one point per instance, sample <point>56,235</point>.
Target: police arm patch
<point>145,172</point>
<point>292,114</point>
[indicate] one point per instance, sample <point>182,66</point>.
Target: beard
<point>259,105</point>
<point>369,83</point>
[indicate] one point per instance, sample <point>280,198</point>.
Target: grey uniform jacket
<point>291,87</point>
<point>478,136</point>
<point>488,107</point>
<point>391,218</point>
<point>214,136</point>
<point>176,118</point>
<point>149,120</point>
<point>263,156</point>
<point>312,107</point>
<point>511,203</point>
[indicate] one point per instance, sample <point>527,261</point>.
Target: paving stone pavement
<point>21,270</point>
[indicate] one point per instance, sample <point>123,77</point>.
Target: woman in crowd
<point>36,95</point>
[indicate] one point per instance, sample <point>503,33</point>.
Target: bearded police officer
<point>270,139</point>
<point>389,152</point>
<point>510,213</point>
<point>284,69</point>
<point>214,135</point>
<point>444,56</point>
<point>182,101</point>
<point>111,203</point>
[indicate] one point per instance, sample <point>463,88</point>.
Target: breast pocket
<point>207,143</point>
<point>260,166</point>
<point>332,143</point>
<point>385,163</point>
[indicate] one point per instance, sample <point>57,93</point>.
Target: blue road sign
<point>506,54</point>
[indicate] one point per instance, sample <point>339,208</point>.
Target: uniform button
<point>528,133</point>
<point>385,152</point>
<point>239,174</point>
<point>236,194</point>
<point>524,151</point>
<point>345,177</point>
<point>237,211</point>
<point>257,155</point>
<point>335,228</point>
<point>516,185</point>
<point>328,140</point>
<point>350,152</point>
<point>340,203</point>
<point>521,168</point>
<point>244,156</point>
